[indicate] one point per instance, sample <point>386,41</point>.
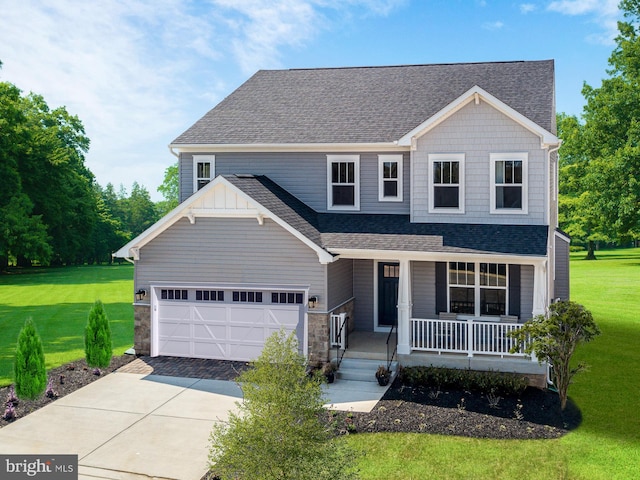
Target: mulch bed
<point>534,414</point>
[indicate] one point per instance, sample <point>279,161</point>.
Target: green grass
<point>607,443</point>
<point>58,300</point>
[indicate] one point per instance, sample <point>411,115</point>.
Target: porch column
<point>540,288</point>
<point>404,308</point>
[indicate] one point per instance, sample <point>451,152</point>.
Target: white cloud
<point>135,72</point>
<point>527,8</point>
<point>604,13</point>
<point>497,25</point>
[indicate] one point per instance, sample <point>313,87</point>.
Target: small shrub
<point>50,392</point>
<point>29,367</point>
<point>97,337</point>
<point>9,412</point>
<point>11,396</point>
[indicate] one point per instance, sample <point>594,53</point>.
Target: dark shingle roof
<point>366,104</point>
<point>332,231</point>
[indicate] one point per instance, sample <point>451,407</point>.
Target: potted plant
<point>329,371</point>
<point>383,375</point>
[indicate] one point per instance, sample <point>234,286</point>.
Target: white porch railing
<point>463,336</point>
<point>338,330</point>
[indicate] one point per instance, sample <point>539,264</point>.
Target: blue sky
<point>139,72</point>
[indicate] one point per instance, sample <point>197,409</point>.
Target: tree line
<point>52,210</point>
<point>599,177</point>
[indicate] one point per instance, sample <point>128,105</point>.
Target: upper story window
<point>446,183</point>
<point>203,170</point>
<point>343,182</point>
<point>390,178</point>
<point>508,183</point>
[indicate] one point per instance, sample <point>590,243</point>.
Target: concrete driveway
<point>135,426</point>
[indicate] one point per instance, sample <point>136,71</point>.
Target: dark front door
<point>388,275</point>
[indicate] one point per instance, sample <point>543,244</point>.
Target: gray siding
<point>224,250</point>
<point>339,282</point>
<point>477,131</point>
<point>561,284</point>
<point>526,292</point>
<point>363,291</point>
<point>303,175</point>
<point>423,294</point>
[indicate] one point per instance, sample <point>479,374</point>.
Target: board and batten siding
<point>478,131</point>
<point>230,250</point>
<point>304,175</point>
<point>339,282</point>
<point>561,282</point>
<point>363,292</point>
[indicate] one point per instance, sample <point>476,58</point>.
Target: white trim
<point>515,156</point>
<point>191,209</point>
<point>397,255</point>
<point>447,157</point>
<point>376,296</point>
<point>211,160</point>
<point>382,159</point>
<point>290,147</point>
<point>355,159</point>
<point>472,95</point>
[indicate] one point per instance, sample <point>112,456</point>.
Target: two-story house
<point>417,200</point>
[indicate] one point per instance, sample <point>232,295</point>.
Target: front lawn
<point>607,443</point>
<point>58,300</point>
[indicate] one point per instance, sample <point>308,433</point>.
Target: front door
<point>388,275</point>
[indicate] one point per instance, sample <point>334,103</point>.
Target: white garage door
<point>220,331</point>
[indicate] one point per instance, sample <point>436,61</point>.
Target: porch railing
<point>338,335</point>
<point>463,336</point>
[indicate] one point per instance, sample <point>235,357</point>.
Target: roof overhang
<point>218,199</point>
<point>477,94</point>
<point>435,256</point>
<point>287,147</point>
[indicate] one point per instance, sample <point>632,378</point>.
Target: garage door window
<point>210,295</point>
<point>247,297</point>
<point>286,297</point>
<point>167,294</point>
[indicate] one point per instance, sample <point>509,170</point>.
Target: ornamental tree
<point>554,337</point>
<point>97,338</point>
<point>30,374</point>
<point>277,432</point>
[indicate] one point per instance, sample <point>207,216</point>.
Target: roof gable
<point>366,104</point>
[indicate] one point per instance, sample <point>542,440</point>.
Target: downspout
<point>551,270</point>
<point>177,155</point>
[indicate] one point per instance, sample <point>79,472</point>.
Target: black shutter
<point>514,290</point>
<point>441,287</point>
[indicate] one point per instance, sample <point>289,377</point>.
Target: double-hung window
<point>343,182</point>
<point>390,178</point>
<point>203,170</point>
<point>508,183</point>
<point>446,183</point>
<point>478,289</point>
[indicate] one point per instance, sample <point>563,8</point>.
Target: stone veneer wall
<point>142,329</point>
<point>318,327</point>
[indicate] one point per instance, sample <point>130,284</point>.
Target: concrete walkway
<point>136,426</point>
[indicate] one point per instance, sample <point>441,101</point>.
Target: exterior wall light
<point>313,301</point>
<point>140,294</point>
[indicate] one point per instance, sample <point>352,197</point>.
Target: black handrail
<point>339,342</point>
<point>395,350</point>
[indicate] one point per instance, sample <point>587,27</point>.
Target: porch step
<point>362,370</point>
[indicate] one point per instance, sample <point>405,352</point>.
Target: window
<point>343,185</point>
<point>203,170</point>
<point>508,183</point>
<point>390,178</point>
<point>478,289</point>
<point>287,297</point>
<point>248,297</point>
<point>446,183</point>
<point>210,295</point>
<point>174,294</point>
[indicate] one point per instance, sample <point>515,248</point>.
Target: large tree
<point>612,133</point>
<point>170,190</point>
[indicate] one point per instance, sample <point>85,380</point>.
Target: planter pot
<point>330,377</point>
<point>383,381</point>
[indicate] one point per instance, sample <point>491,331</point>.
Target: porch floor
<point>369,345</point>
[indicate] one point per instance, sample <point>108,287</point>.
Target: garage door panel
<point>221,331</point>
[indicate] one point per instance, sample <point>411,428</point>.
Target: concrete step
<point>362,370</point>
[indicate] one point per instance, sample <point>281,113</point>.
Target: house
<point>412,205</point>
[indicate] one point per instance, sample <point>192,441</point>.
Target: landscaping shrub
<point>97,338</point>
<point>29,369</point>
<point>498,383</point>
